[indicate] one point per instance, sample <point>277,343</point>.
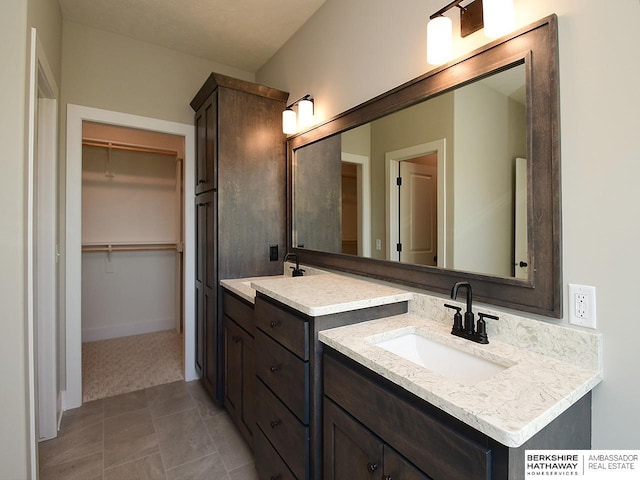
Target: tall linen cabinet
<point>240,202</point>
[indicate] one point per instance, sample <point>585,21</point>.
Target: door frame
<point>76,114</point>
<point>41,264</point>
<point>392,163</point>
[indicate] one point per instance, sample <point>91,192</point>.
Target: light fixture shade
<point>498,17</point>
<point>305,113</point>
<point>289,125</point>
<point>439,40</point>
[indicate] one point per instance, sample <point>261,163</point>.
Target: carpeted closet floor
<point>121,365</point>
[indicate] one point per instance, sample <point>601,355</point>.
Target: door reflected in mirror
<point>441,183</point>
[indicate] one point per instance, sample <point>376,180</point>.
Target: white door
<point>521,247</point>
<point>418,224</point>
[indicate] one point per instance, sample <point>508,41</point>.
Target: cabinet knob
<point>274,368</point>
<point>275,423</point>
<point>372,467</point>
<point>201,181</point>
<point>387,477</point>
<point>275,323</point>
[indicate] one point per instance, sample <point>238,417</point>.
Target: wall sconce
<point>496,16</point>
<point>291,122</point>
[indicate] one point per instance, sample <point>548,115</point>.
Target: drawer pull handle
<point>274,368</point>
<point>236,338</point>
<point>275,423</point>
<point>372,467</point>
<point>274,323</point>
<point>387,477</point>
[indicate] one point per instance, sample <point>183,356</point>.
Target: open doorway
<point>132,237</point>
<point>356,205</point>
<point>76,117</point>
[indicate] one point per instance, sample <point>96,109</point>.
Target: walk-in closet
<point>132,244</point>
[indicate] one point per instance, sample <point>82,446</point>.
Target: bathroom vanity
<point>332,402</point>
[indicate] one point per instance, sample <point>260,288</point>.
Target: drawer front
<point>288,329</point>
<point>431,445</point>
<point>284,373</point>
<point>239,311</point>
<point>285,432</point>
<point>268,463</point>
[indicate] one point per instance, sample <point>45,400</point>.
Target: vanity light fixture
<point>496,16</point>
<point>499,18</point>
<point>291,122</point>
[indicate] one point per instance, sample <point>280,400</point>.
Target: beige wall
<point>13,415</point>
<point>16,18</point>
<point>113,72</point>
<point>351,51</point>
<point>483,178</point>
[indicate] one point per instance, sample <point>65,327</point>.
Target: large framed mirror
<point>452,176</point>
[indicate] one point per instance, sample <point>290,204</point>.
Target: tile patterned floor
<point>125,364</point>
<point>169,432</point>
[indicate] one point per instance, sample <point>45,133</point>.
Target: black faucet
<point>469,330</point>
<point>297,271</point>
<point>469,321</point>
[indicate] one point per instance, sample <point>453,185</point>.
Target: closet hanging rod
<point>93,142</point>
<point>130,247</point>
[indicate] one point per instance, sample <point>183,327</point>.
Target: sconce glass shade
<point>439,40</point>
<point>305,113</point>
<point>289,124</point>
<point>498,17</point>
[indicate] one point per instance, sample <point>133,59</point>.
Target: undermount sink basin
<point>442,359</point>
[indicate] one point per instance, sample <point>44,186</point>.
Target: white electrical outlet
<point>378,244</point>
<point>582,305</point>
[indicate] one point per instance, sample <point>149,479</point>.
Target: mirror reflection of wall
<point>476,132</point>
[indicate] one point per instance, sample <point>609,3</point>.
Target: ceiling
<point>238,33</point>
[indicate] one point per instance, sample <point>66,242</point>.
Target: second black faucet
<point>297,271</point>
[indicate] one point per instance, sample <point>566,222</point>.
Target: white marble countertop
<point>510,406</point>
<point>242,286</point>
<point>328,293</point>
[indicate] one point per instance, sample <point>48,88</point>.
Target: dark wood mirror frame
<point>537,47</point>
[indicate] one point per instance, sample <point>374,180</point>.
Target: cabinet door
<point>206,290</point>
<point>239,376</point>
<point>201,258</point>
<point>248,417</point>
<point>206,122</point>
<point>350,450</point>
<point>398,468</point>
<point>232,347</point>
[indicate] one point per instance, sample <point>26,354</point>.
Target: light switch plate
<point>582,305</point>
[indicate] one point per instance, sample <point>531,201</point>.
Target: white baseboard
<point>127,329</point>
<point>60,408</point>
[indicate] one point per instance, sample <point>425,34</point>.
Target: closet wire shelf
<point>131,247</point>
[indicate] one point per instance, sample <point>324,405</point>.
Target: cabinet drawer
<point>288,329</point>
<point>285,432</point>
<point>284,373</point>
<point>268,463</point>
<point>240,312</point>
<point>437,449</point>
